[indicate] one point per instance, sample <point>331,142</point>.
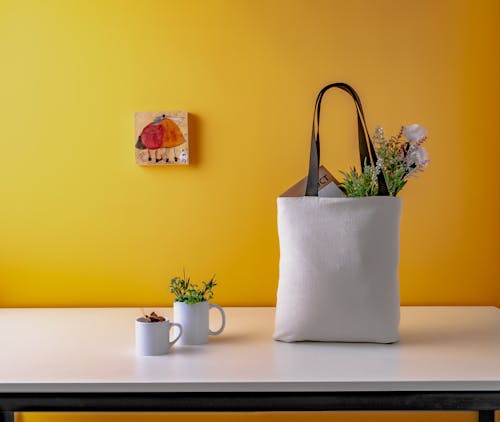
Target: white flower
<point>418,157</point>
<point>414,132</point>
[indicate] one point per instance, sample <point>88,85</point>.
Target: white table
<point>83,359</point>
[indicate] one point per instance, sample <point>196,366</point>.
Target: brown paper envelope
<point>328,186</point>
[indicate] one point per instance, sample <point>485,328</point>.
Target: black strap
<point>366,150</point>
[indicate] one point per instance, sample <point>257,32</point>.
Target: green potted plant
<point>191,309</point>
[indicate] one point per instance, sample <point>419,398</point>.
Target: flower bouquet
<point>398,158</point>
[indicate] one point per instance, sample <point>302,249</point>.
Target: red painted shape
<point>152,136</point>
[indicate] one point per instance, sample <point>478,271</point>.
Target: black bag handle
<point>366,149</point>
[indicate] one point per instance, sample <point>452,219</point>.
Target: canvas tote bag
<point>338,274</point>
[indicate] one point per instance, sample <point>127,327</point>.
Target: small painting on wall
<point>161,138</point>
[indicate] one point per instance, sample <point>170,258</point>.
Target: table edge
<point>187,387</point>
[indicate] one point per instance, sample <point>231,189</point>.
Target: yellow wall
<point>81,224</point>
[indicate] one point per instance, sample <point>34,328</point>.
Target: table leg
<point>6,416</point>
<point>486,416</point>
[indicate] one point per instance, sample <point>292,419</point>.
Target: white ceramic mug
<point>153,338</point>
<point>195,321</point>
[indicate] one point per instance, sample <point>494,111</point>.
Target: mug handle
<point>223,315</point>
<point>175,324</point>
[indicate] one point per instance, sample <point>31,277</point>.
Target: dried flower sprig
<point>401,157</point>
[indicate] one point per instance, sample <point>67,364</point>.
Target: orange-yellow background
<point>82,225</point>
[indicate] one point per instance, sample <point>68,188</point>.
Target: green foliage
<point>188,292</point>
<point>395,180</point>
<point>360,184</point>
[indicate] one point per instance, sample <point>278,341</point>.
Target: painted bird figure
<point>159,137</point>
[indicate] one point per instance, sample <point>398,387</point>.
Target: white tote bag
<point>339,258</point>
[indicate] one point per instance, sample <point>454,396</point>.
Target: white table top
<point>92,350</point>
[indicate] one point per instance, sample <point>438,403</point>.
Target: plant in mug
<point>187,292</point>
<point>398,158</point>
<point>192,308</point>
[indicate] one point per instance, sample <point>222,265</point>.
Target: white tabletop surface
<point>92,350</point>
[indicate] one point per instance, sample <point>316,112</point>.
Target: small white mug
<point>194,319</point>
<point>153,338</point>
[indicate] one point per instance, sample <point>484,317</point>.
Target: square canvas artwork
<point>161,138</point>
